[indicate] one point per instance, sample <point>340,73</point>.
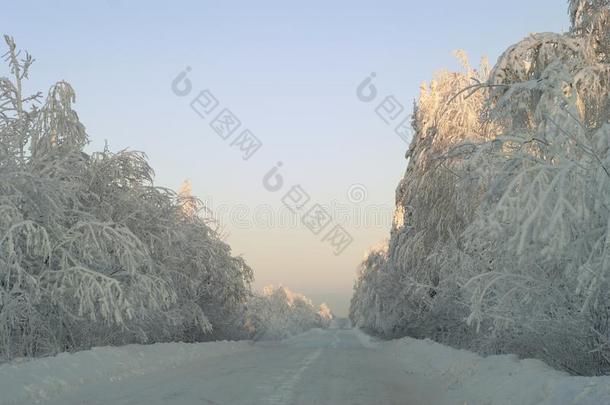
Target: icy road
<point>318,367</point>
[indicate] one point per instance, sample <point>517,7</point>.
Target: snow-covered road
<point>319,367</point>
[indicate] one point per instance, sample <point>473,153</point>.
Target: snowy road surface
<point>320,367</point>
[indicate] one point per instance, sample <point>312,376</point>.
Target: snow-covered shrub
<point>91,252</point>
<point>279,313</point>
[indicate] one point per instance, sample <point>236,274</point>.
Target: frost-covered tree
<point>324,315</point>
<point>507,248</point>
<point>91,251</point>
<point>279,313</point>
<point>590,20</point>
<point>400,284</point>
<point>56,261</point>
<point>189,204</point>
<point>540,242</point>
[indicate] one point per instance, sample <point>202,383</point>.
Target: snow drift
<point>467,378</point>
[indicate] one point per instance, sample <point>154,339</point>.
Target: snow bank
<point>467,378</point>
<point>39,379</point>
<point>366,340</point>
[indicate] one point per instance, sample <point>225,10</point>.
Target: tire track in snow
<point>284,392</point>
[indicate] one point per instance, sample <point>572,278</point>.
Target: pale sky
<point>289,72</point>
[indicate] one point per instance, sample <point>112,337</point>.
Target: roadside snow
<point>40,379</point>
<point>367,340</point>
<point>467,378</point>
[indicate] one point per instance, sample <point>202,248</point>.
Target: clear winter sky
<point>289,71</point>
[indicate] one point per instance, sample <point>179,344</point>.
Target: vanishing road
<point>320,367</point>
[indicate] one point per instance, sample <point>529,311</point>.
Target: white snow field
<point>318,367</point>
